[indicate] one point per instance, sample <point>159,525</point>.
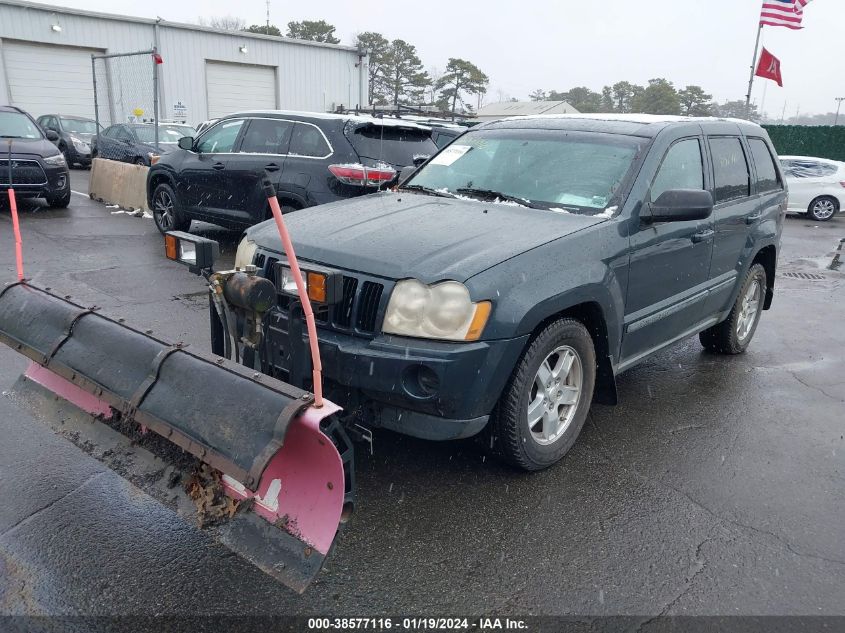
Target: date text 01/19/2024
<point>416,624</point>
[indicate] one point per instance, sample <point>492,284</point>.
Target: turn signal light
<point>322,285</point>
<point>197,253</point>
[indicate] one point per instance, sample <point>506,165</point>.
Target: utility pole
<point>839,101</point>
<point>268,18</point>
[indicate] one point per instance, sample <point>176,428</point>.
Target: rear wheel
<point>823,208</point>
<point>166,212</point>
<point>733,335</point>
<point>546,401</point>
<point>60,201</point>
<point>140,161</point>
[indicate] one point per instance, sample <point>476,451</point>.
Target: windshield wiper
<point>428,190</point>
<point>10,136</point>
<point>504,197</point>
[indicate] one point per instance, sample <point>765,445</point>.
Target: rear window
<point>396,146</point>
<point>730,169</point>
<point>767,175</point>
<point>807,169</point>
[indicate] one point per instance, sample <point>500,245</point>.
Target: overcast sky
<point>527,44</point>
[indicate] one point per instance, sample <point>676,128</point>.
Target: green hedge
<point>823,141</point>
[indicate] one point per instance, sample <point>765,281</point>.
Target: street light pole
<point>839,101</point>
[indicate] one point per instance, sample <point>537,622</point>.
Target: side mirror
<point>678,205</point>
<point>186,142</point>
<point>52,135</point>
<point>405,173</point>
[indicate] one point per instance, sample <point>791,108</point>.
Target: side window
<point>767,174</point>
<point>730,169</point>
<point>221,138</point>
<point>266,136</point>
<point>122,134</point>
<point>682,168</point>
<point>307,140</point>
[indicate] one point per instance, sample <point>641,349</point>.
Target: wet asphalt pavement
<point>715,487</point>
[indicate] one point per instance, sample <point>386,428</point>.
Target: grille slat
<point>368,306</point>
<point>343,311</point>
<point>24,172</point>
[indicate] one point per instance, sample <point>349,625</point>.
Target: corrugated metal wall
<point>309,77</point>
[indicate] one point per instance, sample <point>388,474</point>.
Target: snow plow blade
<point>265,472</point>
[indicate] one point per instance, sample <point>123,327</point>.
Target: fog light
<point>61,182</point>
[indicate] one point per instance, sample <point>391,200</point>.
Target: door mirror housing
<point>52,135</point>
<point>678,205</point>
<point>186,142</point>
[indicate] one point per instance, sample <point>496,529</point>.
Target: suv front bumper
<point>435,390</point>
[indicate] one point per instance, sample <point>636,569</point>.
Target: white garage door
<point>47,79</point>
<point>235,87</point>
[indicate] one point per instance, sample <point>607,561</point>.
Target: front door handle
<point>218,166</point>
<point>271,167</point>
<point>702,236</point>
<point>751,219</point>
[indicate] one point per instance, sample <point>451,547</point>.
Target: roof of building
<point>522,108</point>
<point>162,22</point>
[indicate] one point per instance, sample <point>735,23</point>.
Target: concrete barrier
<point>123,184</point>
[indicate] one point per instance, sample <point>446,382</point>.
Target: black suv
<point>513,276</point>
<point>75,136</point>
<point>310,158</point>
<point>39,169</point>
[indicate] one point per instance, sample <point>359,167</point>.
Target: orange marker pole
<point>16,225</point>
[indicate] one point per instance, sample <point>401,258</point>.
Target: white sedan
<point>816,186</point>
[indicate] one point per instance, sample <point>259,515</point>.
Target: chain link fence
<point>126,90</point>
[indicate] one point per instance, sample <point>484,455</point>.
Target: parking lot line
<point>79,193</point>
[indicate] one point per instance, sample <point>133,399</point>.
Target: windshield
<point>17,125</point>
<point>79,126</point>
<point>166,133</point>
<point>395,146</point>
<point>571,171</point>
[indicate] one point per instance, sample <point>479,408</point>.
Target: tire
<point>823,208</point>
<point>734,334</point>
<point>140,161</point>
<point>527,442</point>
<point>59,202</point>
<point>166,212</point>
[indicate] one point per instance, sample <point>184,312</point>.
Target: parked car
<point>75,134</point>
<point>507,282</point>
<point>205,125</point>
<point>135,142</point>
<point>38,168</point>
<point>816,186</point>
<point>310,158</point>
<point>442,135</point>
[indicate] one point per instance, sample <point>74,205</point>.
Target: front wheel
<point>734,334</point>
<point>546,401</point>
<point>166,212</point>
<point>823,208</point>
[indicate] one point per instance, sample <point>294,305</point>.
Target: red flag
<point>769,67</point>
<point>157,58</point>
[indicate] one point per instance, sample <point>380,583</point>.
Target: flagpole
<point>753,69</point>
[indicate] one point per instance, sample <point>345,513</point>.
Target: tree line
<point>659,97</point>
<point>396,72</point>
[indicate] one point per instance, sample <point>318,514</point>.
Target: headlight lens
<point>245,253</point>
<point>55,161</point>
<point>442,311</point>
<point>80,145</point>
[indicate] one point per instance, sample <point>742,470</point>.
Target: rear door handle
<point>751,219</point>
<point>218,166</point>
<point>271,167</point>
<point>702,236</point>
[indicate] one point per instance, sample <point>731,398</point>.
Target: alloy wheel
<point>555,395</point>
<point>823,209</point>
<point>163,210</point>
<point>749,307</point>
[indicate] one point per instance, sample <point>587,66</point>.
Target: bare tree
<point>226,22</point>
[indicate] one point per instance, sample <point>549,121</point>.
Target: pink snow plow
<point>264,466</point>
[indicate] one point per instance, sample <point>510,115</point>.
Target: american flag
<point>788,13</point>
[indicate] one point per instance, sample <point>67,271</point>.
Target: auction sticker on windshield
<point>450,154</point>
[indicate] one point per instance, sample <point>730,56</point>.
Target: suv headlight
<point>55,161</point>
<point>79,144</point>
<point>440,311</point>
<point>245,253</point>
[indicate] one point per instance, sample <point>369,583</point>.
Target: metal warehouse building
<point>46,67</point>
